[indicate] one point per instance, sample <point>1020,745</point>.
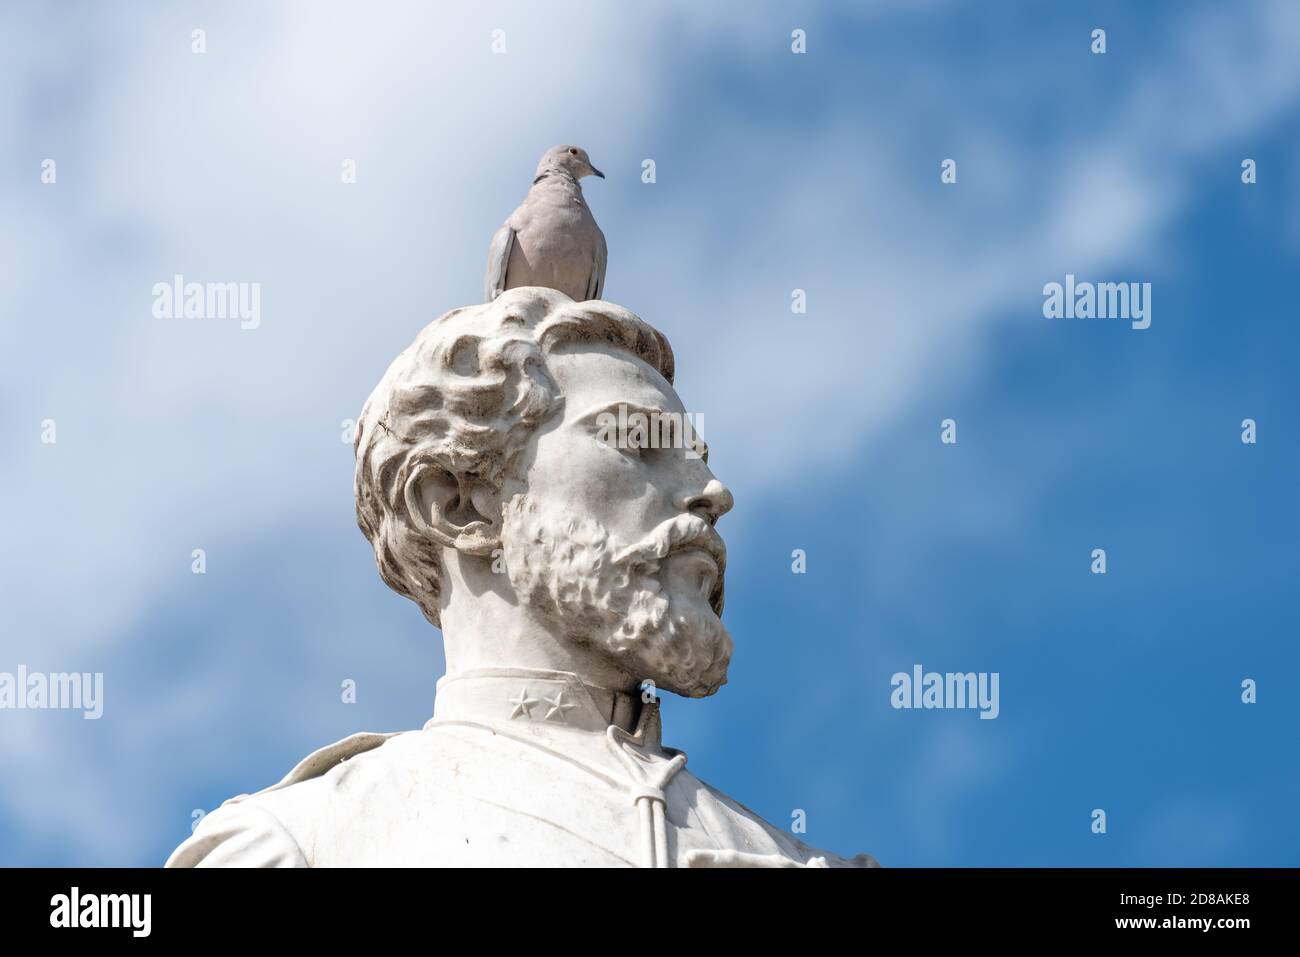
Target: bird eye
<point>573,151</point>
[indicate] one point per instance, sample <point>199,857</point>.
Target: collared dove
<point>552,239</point>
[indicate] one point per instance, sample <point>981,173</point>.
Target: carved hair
<point>464,398</point>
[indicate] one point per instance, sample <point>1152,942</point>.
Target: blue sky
<point>774,172</point>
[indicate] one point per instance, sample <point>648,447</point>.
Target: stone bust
<point>566,572</point>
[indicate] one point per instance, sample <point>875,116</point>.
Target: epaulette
<point>320,761</point>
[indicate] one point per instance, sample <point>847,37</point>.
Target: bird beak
<point>595,172</point>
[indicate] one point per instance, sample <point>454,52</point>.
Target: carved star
<point>558,707</point>
<point>522,703</point>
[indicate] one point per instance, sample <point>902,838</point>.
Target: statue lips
<point>707,567</point>
<point>706,549</point>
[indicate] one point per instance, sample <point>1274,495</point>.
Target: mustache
<point>677,535</point>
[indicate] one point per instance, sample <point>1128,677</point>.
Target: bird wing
<point>596,285</point>
<point>494,280</point>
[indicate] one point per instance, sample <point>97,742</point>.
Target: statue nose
<point>711,503</point>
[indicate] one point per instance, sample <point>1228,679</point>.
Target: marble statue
<point>572,573</point>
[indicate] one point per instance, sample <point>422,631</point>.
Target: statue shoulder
<point>324,759</point>
<point>250,830</point>
<point>239,835</point>
<point>748,840</point>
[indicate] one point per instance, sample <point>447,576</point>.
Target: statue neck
<point>484,626</point>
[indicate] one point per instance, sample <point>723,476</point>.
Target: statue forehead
<point>590,375</point>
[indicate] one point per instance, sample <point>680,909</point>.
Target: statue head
<point>496,495</point>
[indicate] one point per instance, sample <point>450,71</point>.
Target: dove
<point>552,239</point>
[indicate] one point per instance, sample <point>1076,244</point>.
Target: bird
<point>552,239</point>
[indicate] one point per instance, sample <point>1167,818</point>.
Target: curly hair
<point>464,397</point>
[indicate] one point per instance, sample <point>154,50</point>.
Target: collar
<point>556,712</point>
<point>533,699</point>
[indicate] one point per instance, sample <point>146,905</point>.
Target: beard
<point>637,603</point>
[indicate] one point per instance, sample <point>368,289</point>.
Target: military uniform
<point>516,768</point>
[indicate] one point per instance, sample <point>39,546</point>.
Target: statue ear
<point>446,507</point>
